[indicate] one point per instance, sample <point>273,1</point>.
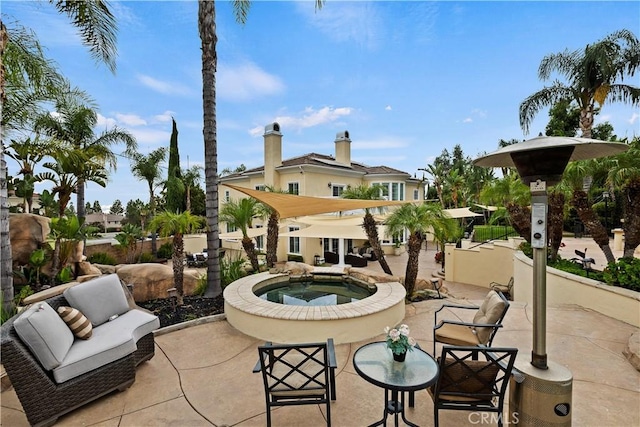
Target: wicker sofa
<point>90,368</point>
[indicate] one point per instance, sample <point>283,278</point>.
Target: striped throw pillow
<point>77,322</point>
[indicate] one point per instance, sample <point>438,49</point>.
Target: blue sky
<point>407,79</point>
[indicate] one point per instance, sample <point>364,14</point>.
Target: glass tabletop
<point>374,362</point>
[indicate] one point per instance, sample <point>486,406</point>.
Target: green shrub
<point>102,258</point>
<point>296,258</point>
<point>575,268</point>
<point>201,285</point>
<point>231,270</point>
<point>482,233</point>
<point>165,251</point>
<point>624,273</point>
<point>146,257</point>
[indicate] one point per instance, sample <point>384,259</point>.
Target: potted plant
<point>397,247</point>
<point>399,341</point>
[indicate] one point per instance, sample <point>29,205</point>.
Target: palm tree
<point>625,173</point>
<point>191,177</point>
<point>273,227</point>
<point>74,125</point>
<point>28,153</point>
<point>438,178</point>
<point>511,193</point>
<point>65,169</point>
<point>591,76</point>
<point>208,38</point>
<point>364,192</point>
<point>177,224</point>
<point>98,31</point>
<point>417,220</point>
<point>147,168</point>
<point>240,214</point>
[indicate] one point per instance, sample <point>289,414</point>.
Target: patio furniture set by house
<point>459,379</point>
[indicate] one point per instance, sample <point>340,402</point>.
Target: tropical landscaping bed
<point>194,307</point>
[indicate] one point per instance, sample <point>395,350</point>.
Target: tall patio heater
<point>544,396</point>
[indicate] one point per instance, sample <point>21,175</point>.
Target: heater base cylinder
<point>543,397</point>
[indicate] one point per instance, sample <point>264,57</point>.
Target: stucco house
<point>317,175</point>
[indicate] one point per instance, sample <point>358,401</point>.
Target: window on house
<point>391,190</point>
<point>227,196</point>
<point>259,241</point>
<point>231,228</point>
<point>416,194</point>
<point>260,187</point>
<point>294,188</point>
<point>294,242</point>
<point>336,190</point>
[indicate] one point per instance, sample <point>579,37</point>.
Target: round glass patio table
<point>374,362</point>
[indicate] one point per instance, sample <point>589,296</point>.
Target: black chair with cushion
<point>331,258</point>
<point>480,332</point>
<point>298,374</point>
<point>355,260</point>
<point>507,289</point>
<point>465,384</point>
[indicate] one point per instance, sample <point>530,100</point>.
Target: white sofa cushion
<point>111,341</point>
<point>45,333</point>
<point>99,299</point>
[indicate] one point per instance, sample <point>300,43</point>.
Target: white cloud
<point>311,117</point>
<point>388,108</point>
<point>359,22</point>
<point>467,120</point>
<point>105,122</point>
<point>130,119</point>
<point>151,136</point>
<point>634,118</point>
<point>245,82</point>
<point>164,117</point>
<point>167,88</point>
<point>479,113</point>
<point>256,131</point>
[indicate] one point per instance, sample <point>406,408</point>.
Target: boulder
<point>105,268</point>
<point>27,232</point>
<point>151,281</point>
<point>428,285</point>
<point>370,276</point>
<point>632,351</point>
<point>293,268</point>
<point>85,268</point>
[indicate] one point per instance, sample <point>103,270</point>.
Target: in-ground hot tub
<point>290,324</point>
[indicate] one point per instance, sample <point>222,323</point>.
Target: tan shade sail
<point>251,232</point>
<point>290,206</point>
<point>461,213</point>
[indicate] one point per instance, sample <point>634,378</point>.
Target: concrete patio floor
<point>201,375</point>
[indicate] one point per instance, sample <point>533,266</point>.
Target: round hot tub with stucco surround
<point>290,324</point>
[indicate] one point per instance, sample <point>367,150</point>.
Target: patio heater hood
<point>545,157</point>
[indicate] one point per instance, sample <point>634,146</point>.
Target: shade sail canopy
<point>584,149</point>
<point>251,232</point>
<point>461,213</point>
<point>290,206</point>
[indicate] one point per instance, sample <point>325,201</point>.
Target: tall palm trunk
<point>207,31</point>
<point>631,217</point>
<point>6,259</point>
<point>413,250</point>
<point>520,220</point>
<point>178,267</point>
<point>591,222</point>
<point>272,239</point>
<point>80,200</point>
<point>586,120</point>
<point>371,228</point>
<point>556,222</point>
<point>250,249</point>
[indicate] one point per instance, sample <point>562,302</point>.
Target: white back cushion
<point>45,333</point>
<point>99,298</point>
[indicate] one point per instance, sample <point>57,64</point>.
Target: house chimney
<point>343,148</point>
<point>272,153</point>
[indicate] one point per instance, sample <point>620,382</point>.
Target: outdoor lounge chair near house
<point>331,257</point>
<point>355,260</point>
<point>480,332</point>
<point>465,384</point>
<point>507,289</point>
<point>298,374</point>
